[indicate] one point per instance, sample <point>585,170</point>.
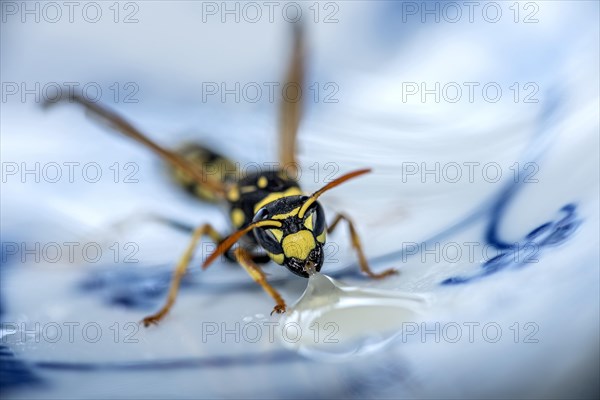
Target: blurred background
<point>479,119</point>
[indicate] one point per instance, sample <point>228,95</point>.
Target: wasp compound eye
<point>261,214</point>
<point>314,220</point>
<point>269,239</point>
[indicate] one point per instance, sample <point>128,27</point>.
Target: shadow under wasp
<point>275,219</point>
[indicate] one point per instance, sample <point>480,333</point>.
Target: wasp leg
<point>245,259</point>
<point>140,218</point>
<point>290,110</point>
<point>105,235</point>
<point>180,269</point>
<point>116,122</point>
<point>364,265</point>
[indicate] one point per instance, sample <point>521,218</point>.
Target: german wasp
<point>275,218</point>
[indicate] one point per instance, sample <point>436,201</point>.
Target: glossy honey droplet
<point>337,320</point>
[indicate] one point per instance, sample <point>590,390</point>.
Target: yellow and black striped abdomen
<point>213,164</point>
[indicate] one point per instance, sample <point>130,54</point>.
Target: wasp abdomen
<point>214,165</point>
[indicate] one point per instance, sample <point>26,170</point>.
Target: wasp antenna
<point>329,186</point>
<point>234,237</point>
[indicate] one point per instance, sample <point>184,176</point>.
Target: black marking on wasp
<point>269,210</point>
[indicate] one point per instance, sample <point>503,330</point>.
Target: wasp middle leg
<point>362,260</point>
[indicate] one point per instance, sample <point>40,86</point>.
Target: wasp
<point>268,210</point>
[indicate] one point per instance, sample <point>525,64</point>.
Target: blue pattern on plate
<point>249,359</point>
<point>14,372</point>
<point>524,252</point>
<point>143,288</point>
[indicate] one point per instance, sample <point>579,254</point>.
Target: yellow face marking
<point>290,214</point>
<point>298,245</point>
<point>293,191</point>
<point>263,182</point>
<point>233,194</point>
<point>308,222</point>
<point>278,258</point>
<point>278,233</point>
<point>321,237</point>
<point>237,217</point>
<point>268,223</point>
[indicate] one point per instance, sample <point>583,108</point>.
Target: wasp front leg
<point>180,269</point>
<point>245,259</point>
<point>362,260</point>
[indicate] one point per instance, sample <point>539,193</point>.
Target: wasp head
<point>298,242</point>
